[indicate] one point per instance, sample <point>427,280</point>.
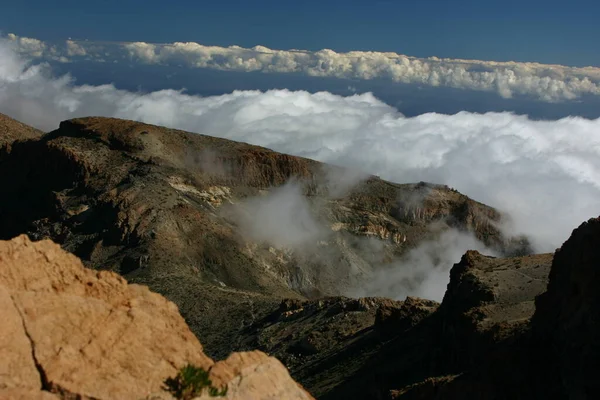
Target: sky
<point>499,100</point>
<point>546,31</point>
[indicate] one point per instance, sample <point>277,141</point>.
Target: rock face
<point>567,317</point>
<point>78,333</point>
<point>163,208</point>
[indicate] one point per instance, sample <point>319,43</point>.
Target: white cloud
<point>546,174</point>
<point>74,49</point>
<point>548,83</point>
<point>425,270</point>
<point>28,46</point>
<point>282,218</point>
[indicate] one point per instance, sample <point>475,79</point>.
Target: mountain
<point>196,217</point>
<point>262,250</point>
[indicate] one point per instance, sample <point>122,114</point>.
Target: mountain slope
<point>163,208</point>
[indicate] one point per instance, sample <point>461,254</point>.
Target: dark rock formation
<point>552,355</point>
<point>566,323</point>
<point>465,348</point>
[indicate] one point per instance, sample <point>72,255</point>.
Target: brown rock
<point>395,318</point>
<point>17,368</point>
<point>253,376</point>
<point>26,394</point>
<point>91,335</point>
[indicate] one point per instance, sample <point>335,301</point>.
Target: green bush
<point>190,382</point>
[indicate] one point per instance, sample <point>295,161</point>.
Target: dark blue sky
<point>548,31</point>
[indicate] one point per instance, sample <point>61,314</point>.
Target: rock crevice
<point>44,384</point>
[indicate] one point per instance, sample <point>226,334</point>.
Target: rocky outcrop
<point>392,319</point>
<point>77,333</point>
<point>487,301</point>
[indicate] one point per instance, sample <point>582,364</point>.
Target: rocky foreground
<point>159,207</point>
<point>68,332</point>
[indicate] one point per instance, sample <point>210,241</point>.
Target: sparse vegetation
<point>190,382</point>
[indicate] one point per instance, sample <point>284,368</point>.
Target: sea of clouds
<point>548,83</point>
<point>544,174</point>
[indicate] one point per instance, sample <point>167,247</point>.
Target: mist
<point>424,272</point>
<point>282,218</point>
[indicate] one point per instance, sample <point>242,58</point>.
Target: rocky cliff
<point>566,323</point>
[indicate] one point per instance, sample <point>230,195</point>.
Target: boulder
<point>79,333</point>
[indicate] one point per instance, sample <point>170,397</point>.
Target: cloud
<point>282,218</point>
<point>74,49</point>
<point>545,174</point>
<point>339,181</point>
<point>28,46</point>
<point>424,271</point>
<point>549,83</point>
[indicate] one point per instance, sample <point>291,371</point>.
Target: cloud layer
<point>549,83</point>
<point>546,174</point>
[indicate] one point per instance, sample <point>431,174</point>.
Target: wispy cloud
<point>549,83</point>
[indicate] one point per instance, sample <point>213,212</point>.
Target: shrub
<point>190,382</point>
